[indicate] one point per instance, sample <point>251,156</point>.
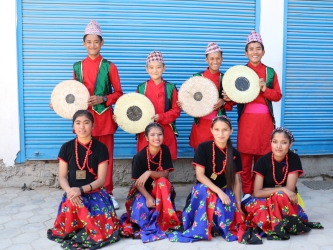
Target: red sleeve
<point>172,114</point>
<point>228,105</point>
<point>115,82</point>
<point>273,94</point>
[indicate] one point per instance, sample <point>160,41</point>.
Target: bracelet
<point>81,189</point>
<point>238,202</point>
<point>90,187</point>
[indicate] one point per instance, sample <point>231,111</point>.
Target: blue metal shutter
<point>308,98</point>
<point>52,41</point>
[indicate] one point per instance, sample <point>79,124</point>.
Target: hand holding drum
<point>68,97</point>
<point>133,112</point>
<point>241,84</point>
<point>197,96</point>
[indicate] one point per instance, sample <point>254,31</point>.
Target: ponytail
<point>230,168</point>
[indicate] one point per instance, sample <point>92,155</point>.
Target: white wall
<point>9,114</point>
<point>271,30</point>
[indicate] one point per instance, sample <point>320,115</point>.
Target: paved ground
<point>26,215</point>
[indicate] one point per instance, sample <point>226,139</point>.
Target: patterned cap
<point>93,28</point>
<point>212,48</point>
<point>155,56</point>
<point>287,131</point>
<point>254,37</point>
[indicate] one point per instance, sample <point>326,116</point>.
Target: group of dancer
<point>270,205</point>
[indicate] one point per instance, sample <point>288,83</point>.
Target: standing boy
<point>102,81</point>
<point>201,126</point>
<point>164,96</point>
<point>255,119</point>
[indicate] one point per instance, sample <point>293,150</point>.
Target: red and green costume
<point>255,129</point>
<point>101,79</point>
<point>164,97</point>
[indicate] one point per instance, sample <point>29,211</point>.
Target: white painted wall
<point>271,30</point>
<point>9,113</point>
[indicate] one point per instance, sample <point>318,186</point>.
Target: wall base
<point>44,173</point>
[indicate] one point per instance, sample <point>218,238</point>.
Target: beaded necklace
<point>150,160</point>
<point>85,162</point>
<point>214,174</point>
<point>278,184</point>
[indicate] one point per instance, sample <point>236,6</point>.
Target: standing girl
<point>274,208</point>
<point>213,207</point>
<point>164,96</point>
<point>86,216</point>
<point>150,202</point>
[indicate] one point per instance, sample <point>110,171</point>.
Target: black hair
<point>230,166</point>
<point>100,38</point>
<point>220,51</point>
<point>153,125</point>
<point>85,113</point>
<point>286,132</point>
<point>262,46</point>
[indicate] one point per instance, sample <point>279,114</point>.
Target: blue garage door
<point>309,76</point>
<point>52,30</point>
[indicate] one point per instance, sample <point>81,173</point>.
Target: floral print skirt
<point>90,226</point>
<point>205,216</point>
<point>150,224</point>
<point>274,217</point>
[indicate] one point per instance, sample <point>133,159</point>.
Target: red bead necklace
<point>85,162</point>
<point>224,162</point>
<point>149,159</point>
<point>285,173</point>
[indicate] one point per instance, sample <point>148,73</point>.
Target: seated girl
<point>274,208</point>
<point>213,206</point>
<point>150,202</point>
<point>86,218</point>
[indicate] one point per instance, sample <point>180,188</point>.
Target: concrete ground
<point>26,215</point>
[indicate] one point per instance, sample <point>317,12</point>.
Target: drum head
<point>241,84</point>
<point>68,97</point>
<point>198,95</point>
<point>134,112</point>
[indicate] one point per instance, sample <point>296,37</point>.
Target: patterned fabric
<point>212,48</point>
<point>291,136</point>
<point>276,217</point>
<point>90,226</point>
<point>254,37</point>
<point>93,28</point>
<point>150,224</point>
<point>155,56</point>
<point>205,216</point>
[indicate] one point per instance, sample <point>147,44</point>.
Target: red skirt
<point>90,226</point>
<point>274,217</point>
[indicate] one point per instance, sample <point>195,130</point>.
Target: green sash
<point>221,111</point>
<point>269,84</point>
<point>169,87</point>
<point>102,83</point>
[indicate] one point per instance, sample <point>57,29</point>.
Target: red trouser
<point>108,141</point>
<point>246,174</point>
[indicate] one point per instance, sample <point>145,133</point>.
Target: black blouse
<point>264,168</point>
<point>98,154</point>
<point>203,157</point>
<point>140,164</point>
